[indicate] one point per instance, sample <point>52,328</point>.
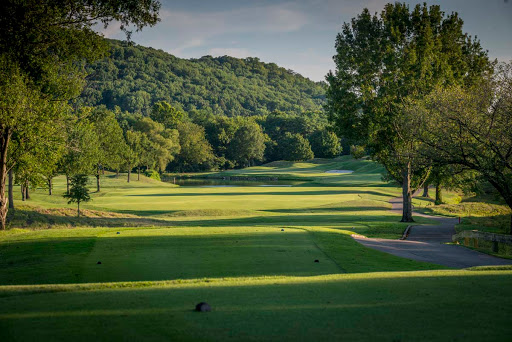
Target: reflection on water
<point>218,183</point>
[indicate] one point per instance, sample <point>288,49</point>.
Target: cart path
<point>427,243</point>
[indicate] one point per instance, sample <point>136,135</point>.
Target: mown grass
<point>403,306</point>
<point>248,251</point>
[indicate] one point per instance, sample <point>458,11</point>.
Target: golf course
<point>274,262</point>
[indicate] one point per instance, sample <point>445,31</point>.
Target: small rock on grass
<point>282,230</point>
<point>98,263</point>
<point>118,233</point>
<point>203,307</point>
<point>316,260</point>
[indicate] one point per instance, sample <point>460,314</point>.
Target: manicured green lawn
<point>410,306</point>
<point>248,251</point>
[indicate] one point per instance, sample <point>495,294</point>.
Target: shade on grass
<point>410,306</point>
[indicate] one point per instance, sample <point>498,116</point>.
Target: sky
<point>297,35</point>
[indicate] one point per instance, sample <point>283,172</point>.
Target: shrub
<point>357,151</point>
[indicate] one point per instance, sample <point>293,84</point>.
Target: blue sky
<point>297,35</point>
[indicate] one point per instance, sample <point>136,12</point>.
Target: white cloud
<point>187,26</point>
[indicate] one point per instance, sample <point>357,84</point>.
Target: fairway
<point>275,263</point>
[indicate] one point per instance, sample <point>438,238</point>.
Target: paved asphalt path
<point>427,243</point>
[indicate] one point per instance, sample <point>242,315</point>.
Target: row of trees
<point>89,140</point>
<point>424,98</point>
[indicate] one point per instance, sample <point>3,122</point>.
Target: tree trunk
<point>27,194</point>
<point>50,186</point>
<point>439,194</point>
<point>23,192</point>
<point>98,179</point>
<point>4,144</point>
<point>11,190</point>
<point>78,208</point>
<point>67,184</point>
<point>129,171</point>
<point>117,173</point>
<point>138,173</point>
<point>407,195</point>
<point>425,190</point>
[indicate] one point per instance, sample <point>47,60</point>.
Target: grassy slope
<point>273,289</point>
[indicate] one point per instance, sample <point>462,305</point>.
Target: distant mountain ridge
<point>135,77</point>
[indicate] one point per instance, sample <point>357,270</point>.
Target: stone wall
<point>496,243</point>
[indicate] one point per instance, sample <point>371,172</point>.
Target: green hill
<point>135,77</point>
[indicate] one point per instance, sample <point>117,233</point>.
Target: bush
<point>357,151</point>
<point>325,144</point>
<point>152,174</point>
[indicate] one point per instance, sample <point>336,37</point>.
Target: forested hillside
<point>136,77</point>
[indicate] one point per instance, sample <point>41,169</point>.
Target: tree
<point>82,146</point>
<point>165,114</point>
<point>325,144</point>
<point>386,62</point>
<point>78,192</point>
<point>195,149</point>
<point>160,145</point>
<point>247,145</point>
<point>472,128</point>
<point>295,147</point>
<point>112,146</point>
<point>133,152</point>
<point>357,151</point>
<point>43,47</point>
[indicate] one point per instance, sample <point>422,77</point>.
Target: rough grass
<point>477,213</point>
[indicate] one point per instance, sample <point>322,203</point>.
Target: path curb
<point>406,233</point>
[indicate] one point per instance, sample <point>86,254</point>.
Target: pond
<point>221,183</point>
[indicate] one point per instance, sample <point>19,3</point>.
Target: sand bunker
<point>339,171</point>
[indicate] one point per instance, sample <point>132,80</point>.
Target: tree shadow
<point>269,193</point>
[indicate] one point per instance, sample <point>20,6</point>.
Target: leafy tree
<point>385,62</point>
<point>82,147</point>
<point>133,152</point>
<point>43,47</point>
<point>160,145</point>
<point>79,191</point>
<point>112,146</point>
<point>295,147</point>
<point>247,145</point>
<point>195,149</point>
<point>165,114</point>
<point>325,144</point>
<point>472,128</point>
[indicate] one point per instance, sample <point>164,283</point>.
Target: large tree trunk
<point>129,171</point>
<point>439,194</point>
<point>98,179</point>
<point>11,190</point>
<point>50,186</point>
<point>138,173</point>
<point>407,195</point>
<point>425,190</point>
<point>78,208</point>
<point>67,184</point>
<point>4,144</point>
